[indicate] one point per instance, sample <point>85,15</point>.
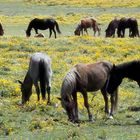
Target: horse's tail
<point>116,99</point>
<point>68,87</point>
<point>42,78</point>
<point>57,27</point>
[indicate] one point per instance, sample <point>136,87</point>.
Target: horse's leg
<point>54,32</point>
<point>85,29</point>
<point>37,91</point>
<point>99,31</point>
<point>112,105</point>
<point>76,106</point>
<point>36,31</point>
<point>87,105</point>
<point>82,31</point>
<point>123,33</point>
<point>104,93</point>
<point>50,32</point>
<point>48,91</point>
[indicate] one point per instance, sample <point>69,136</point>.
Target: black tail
<point>57,27</point>
<point>42,78</point>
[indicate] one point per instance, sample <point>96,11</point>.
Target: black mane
<point>129,69</point>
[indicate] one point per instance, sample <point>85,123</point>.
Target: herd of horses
<point>82,78</point>
<point>116,25</point>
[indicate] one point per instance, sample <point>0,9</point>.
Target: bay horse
<point>129,70</point>
<point>85,24</point>
<point>84,78</point>
<point>112,27</point>
<point>130,23</point>
<point>39,70</point>
<point>1,30</point>
<point>43,24</point>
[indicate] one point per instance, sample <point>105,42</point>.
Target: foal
<point>39,70</point>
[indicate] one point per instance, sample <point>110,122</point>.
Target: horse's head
<point>109,33</point>
<point>77,32</point>
<point>115,80</point>
<point>1,32</point>
<point>28,34</point>
<point>26,92</point>
<point>70,109</point>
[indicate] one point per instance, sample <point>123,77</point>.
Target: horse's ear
<point>114,65</point>
<point>20,82</point>
<point>59,98</point>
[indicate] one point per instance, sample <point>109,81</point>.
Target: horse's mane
<point>129,64</point>
<point>69,84</point>
<point>129,69</point>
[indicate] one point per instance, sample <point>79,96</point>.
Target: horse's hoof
<point>91,121</point>
<point>77,121</point>
<point>48,103</point>
<point>111,117</point>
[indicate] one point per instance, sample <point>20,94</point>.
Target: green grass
<point>38,121</point>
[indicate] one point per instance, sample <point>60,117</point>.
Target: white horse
<point>39,70</point>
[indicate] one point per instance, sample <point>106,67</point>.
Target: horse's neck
<point>28,81</point>
<point>125,73</point>
<point>29,27</point>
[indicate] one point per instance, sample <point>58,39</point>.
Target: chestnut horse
<point>43,24</point>
<point>85,24</point>
<point>39,70</point>
<point>84,78</point>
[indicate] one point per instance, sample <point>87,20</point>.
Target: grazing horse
<point>1,30</point>
<point>39,70</point>
<point>87,23</point>
<point>43,24</point>
<point>130,23</point>
<point>84,78</point>
<point>113,25</point>
<point>129,70</point>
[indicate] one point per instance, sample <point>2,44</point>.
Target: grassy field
<point>36,121</point>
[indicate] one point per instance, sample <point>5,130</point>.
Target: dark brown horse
<point>129,70</point>
<point>112,27</point>
<point>84,78</point>
<point>43,24</point>
<point>39,71</point>
<point>1,30</point>
<point>131,24</point>
<point>85,24</point>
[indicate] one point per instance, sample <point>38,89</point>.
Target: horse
<point>113,25</point>
<point>40,35</point>
<point>39,70</point>
<point>87,23</point>
<point>1,30</point>
<point>43,24</point>
<point>118,73</point>
<point>84,78</point>
<point>130,23</point>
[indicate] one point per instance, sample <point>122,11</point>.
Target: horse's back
<point>88,22</point>
<point>93,76</point>
<point>34,65</point>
